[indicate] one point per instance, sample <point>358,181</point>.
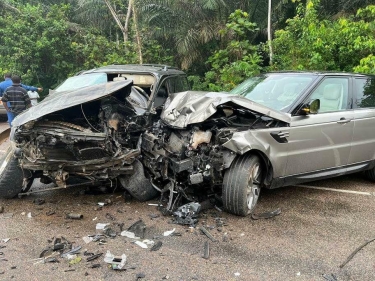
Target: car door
<point>322,141</point>
<point>363,145</point>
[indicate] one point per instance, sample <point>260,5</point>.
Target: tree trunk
<point>126,25</point>
<point>139,41</point>
<point>270,31</point>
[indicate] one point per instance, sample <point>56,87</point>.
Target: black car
<point>90,128</point>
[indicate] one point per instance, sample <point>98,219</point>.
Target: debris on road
<point>75,260</point>
<point>72,251</point>
<point>94,257</point>
<point>141,244</point>
<point>329,277</point>
<point>5,240</point>
<point>140,276</point>
<point>51,212</point>
<point>7,215</point>
<point>74,216</point>
<point>266,215</point>
<point>29,215</point>
<point>187,214</point>
<point>207,233</point>
<point>1,209</point>
<point>101,226</point>
<point>138,228</point>
<point>156,246</point>
<point>129,234</point>
<point>355,252</point>
<point>206,250</point>
<point>117,262</point>
<point>39,201</point>
<point>169,232</point>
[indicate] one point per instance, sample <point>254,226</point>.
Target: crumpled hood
<point>193,107</point>
<point>60,100</point>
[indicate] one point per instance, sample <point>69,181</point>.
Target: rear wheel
<point>11,175</point>
<point>137,184</point>
<point>242,184</point>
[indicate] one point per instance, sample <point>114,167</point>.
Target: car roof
<point>158,69</point>
<point>323,73</point>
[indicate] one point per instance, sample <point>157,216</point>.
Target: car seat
<point>332,98</point>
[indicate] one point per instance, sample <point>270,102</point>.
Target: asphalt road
<point>316,232</point>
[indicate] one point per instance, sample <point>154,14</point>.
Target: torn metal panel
<point>62,100</point>
<point>193,107</point>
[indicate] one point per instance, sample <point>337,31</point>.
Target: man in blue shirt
<point>7,83</point>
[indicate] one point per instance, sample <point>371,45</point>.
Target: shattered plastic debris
<point>187,214</point>
<point>5,240</point>
<point>87,239</point>
<point>156,246</point>
<point>39,201</point>
<point>329,277</point>
<point>138,228</point>
<point>206,250</point>
<point>29,215</point>
<point>169,232</point>
<point>109,232</point>
<point>117,263</point>
<point>207,233</point>
<point>237,274</point>
<point>94,257</point>
<point>101,226</point>
<point>72,251</point>
<point>129,234</point>
<point>266,215</point>
<point>141,244</point>
<point>74,216</point>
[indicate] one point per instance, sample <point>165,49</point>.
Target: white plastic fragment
<point>153,204</point>
<point>5,240</point>
<point>87,239</point>
<point>23,213</point>
<point>29,215</point>
<point>101,204</point>
<point>129,234</point>
<point>101,226</point>
<point>298,274</point>
<point>94,219</point>
<point>116,262</point>
<point>141,244</point>
<point>237,274</point>
<point>71,257</point>
<point>148,242</point>
<point>169,232</point>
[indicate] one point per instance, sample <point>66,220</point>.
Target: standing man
<point>8,82</point>
<point>17,98</point>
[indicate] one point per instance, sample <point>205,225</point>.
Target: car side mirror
<point>311,108</point>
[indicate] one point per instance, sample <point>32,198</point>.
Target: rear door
<point>322,141</point>
<point>363,146</point>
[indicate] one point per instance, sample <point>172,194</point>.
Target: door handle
<point>343,120</point>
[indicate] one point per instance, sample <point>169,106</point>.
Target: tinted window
<point>332,93</point>
<point>178,84</point>
<point>365,92</point>
<point>81,81</point>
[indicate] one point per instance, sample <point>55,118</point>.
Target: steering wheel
<point>141,91</point>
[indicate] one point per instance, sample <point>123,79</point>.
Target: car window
<point>277,91</point>
<point>81,81</point>
<point>332,93</point>
<point>365,92</point>
<point>177,84</point>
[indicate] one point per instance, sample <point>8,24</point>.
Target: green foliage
<point>238,59</point>
<point>308,43</point>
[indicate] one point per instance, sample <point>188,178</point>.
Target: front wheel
<point>242,184</point>
<point>11,175</point>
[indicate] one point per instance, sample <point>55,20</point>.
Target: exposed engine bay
<point>190,163</point>
<point>96,140</point>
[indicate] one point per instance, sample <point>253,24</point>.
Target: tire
<point>370,174</point>
<point>137,184</point>
<point>11,175</point>
<point>242,184</point>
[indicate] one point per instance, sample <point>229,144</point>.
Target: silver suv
<point>273,130</point>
